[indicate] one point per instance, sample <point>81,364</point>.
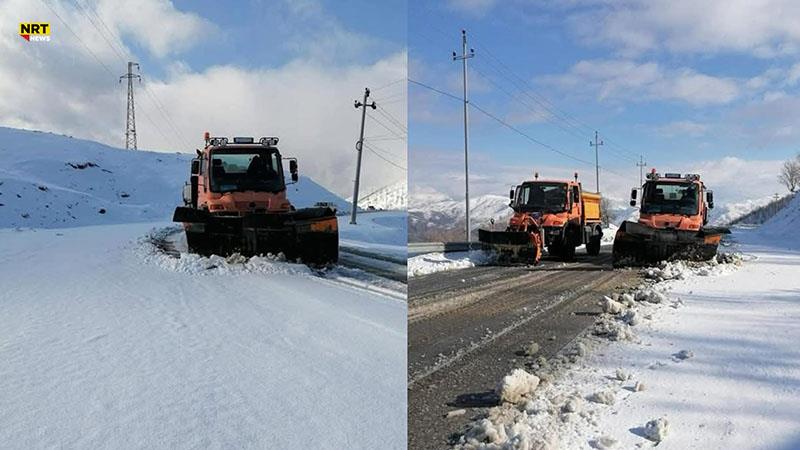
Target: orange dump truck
<point>557,214</point>
<point>235,202</point>
<point>673,214</point>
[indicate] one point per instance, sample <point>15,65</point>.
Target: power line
<point>567,121</point>
<point>386,127</point>
<point>99,61</point>
<point>372,149</point>
<point>119,49</point>
<point>392,83</point>
<point>513,128</point>
<point>391,118</point>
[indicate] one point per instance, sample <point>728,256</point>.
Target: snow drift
<point>54,181</point>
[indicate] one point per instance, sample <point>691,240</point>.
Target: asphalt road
<point>467,328</point>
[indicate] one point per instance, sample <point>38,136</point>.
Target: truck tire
<point>197,243</point>
<point>567,252</point>
<point>593,246</point>
<point>320,249</point>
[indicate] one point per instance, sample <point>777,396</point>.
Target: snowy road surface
<point>105,345</point>
<point>466,328</point>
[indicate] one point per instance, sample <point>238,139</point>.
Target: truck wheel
<point>197,243</point>
<point>320,249</point>
<point>568,252</point>
<point>593,246</point>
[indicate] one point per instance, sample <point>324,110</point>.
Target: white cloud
<point>57,86</point>
<point>155,24</point>
<point>683,128</point>
<point>762,28</point>
<point>629,80</point>
<point>476,8</point>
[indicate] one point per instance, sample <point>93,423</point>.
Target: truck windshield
<point>246,170</point>
<point>542,197</point>
<point>669,198</point>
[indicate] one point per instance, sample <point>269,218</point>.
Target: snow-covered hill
<point>393,197</point>
<point>783,225</point>
<point>53,181</point>
<point>434,216</point>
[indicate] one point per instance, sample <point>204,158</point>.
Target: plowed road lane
<point>466,328</point>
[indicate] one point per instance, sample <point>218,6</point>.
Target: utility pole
<point>463,58</point>
<point>641,165</point>
<point>359,146</point>
<point>130,126</point>
<point>596,144</point>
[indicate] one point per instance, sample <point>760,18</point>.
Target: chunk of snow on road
<point>683,355</point>
<point>456,413</point>
<point>639,386</point>
<point>605,443</point>
<point>606,397</point>
<point>574,404</point>
<point>516,386</point>
<point>656,430</point>
<point>610,306</point>
<point>438,262</point>
<point>531,349</point>
<point>650,295</point>
<point>622,375</point>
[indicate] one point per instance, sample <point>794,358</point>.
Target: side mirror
<point>633,197</point>
<point>710,199</point>
<point>293,170</point>
<point>511,194</point>
<point>195,166</point>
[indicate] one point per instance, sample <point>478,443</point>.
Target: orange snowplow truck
<point>556,214</point>
<point>235,202</point>
<point>673,214</point>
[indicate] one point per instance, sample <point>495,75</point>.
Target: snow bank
<point>194,264</point>
<point>782,228</point>
<point>516,386</point>
<point>55,181</point>
<point>438,262</point>
<point>574,398</point>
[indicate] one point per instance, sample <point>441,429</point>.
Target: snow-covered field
<point>106,341</point>
<point>378,232</point>
<point>702,357</point>
<point>107,344</point>
<point>53,181</point>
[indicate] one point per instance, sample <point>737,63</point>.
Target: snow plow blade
<point>639,245</point>
<point>511,246</point>
<point>310,234</point>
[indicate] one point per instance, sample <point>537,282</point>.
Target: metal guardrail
<point>420,248</point>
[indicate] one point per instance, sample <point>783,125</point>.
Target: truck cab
<point>235,202</point>
<point>567,215</point>
<point>673,201</point>
<point>239,178</point>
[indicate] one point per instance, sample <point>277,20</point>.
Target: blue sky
<point>290,68</point>
<point>690,87</point>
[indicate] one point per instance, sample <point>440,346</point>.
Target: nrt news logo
<point>35,31</point>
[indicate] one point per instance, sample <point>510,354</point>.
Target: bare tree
<point>790,174</point>
<point>607,215</point>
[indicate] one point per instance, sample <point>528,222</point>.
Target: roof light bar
<point>672,175</point>
<point>242,140</point>
<point>270,141</point>
<point>218,141</point>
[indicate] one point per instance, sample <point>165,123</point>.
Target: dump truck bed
<point>591,206</point>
